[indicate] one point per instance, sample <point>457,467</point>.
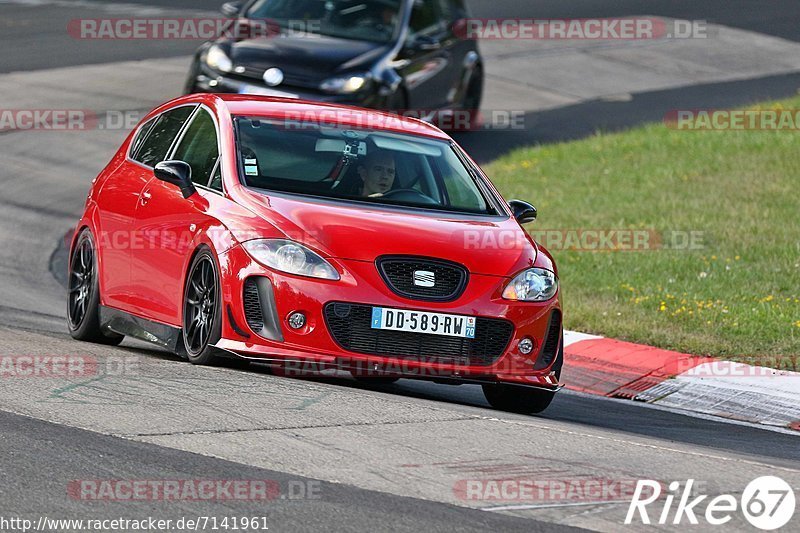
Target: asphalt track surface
<point>387,457</point>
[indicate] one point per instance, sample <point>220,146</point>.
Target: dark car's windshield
<point>367,20</point>
<point>371,166</point>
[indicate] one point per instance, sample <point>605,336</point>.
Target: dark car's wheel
<point>396,102</point>
<point>190,86</point>
<point>473,95</point>
<point>202,309</point>
<point>83,296</point>
<point>522,399</point>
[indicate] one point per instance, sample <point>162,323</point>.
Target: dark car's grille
<point>252,306</point>
<point>350,326</point>
<point>550,347</point>
<point>290,79</point>
<point>449,279</point>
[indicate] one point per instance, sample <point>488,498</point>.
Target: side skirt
<point>168,337</point>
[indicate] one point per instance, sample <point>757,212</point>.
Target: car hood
<point>485,245</point>
<point>306,59</point>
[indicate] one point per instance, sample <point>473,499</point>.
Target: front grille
<point>550,347</point>
<point>252,306</point>
<point>350,326</point>
<point>449,279</point>
<point>290,79</point>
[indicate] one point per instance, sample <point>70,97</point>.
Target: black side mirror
<point>177,173</point>
<point>231,9</point>
<point>425,43</point>
<point>523,211</point>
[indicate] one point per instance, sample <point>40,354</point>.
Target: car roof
<point>305,111</point>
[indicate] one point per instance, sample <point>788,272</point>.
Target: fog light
<point>297,320</point>
<point>525,346</point>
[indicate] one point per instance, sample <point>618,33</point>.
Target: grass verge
<point>734,294</point>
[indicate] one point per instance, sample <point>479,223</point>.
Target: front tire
<point>83,294</point>
<point>202,309</point>
<point>524,400</point>
<point>517,399</point>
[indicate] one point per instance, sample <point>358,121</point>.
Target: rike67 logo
<point>767,503</point>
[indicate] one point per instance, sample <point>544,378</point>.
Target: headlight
<point>346,84</point>
<point>291,257</point>
<point>532,285</point>
<point>217,59</point>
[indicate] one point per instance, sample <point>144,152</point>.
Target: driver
<point>377,173</point>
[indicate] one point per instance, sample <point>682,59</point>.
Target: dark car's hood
<point>485,245</point>
<point>313,57</point>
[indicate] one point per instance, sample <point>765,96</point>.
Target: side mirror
<point>231,9</point>
<point>425,43</point>
<point>177,173</point>
<point>523,211</point>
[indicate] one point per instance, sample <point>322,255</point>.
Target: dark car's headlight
<point>291,257</point>
<point>532,285</point>
<point>217,59</point>
<point>349,84</point>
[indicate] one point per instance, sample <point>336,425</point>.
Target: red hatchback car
<point>313,236</point>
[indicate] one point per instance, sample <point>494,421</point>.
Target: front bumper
<point>314,348</point>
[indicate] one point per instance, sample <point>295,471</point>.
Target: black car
<point>384,54</point>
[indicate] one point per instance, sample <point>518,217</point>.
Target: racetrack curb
<point>616,369</point>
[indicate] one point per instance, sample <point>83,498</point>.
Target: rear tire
<point>83,294</point>
<point>202,309</point>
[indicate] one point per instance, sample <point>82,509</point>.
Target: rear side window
<point>142,135</point>
<point>198,147</point>
<point>154,148</point>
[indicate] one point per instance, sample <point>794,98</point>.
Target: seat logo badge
<point>423,278</point>
<point>273,76</point>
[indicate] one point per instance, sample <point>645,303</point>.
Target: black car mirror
<point>231,9</point>
<point>425,43</point>
<point>177,173</point>
<point>420,43</point>
<point>523,211</point>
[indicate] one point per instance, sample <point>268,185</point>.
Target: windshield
<point>363,20</point>
<point>377,167</point>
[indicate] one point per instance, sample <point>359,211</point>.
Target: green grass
<point>736,297</point>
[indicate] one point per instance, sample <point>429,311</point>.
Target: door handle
<point>145,197</point>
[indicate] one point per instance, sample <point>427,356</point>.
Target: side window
<point>141,136</point>
<point>216,177</point>
<point>155,147</point>
<point>426,17</point>
<point>199,147</point>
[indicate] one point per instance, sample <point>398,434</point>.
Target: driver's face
<point>377,172</point>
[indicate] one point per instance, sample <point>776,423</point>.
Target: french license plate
<point>264,91</point>
<point>423,322</point>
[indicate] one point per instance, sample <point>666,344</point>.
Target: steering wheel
<point>410,195</point>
